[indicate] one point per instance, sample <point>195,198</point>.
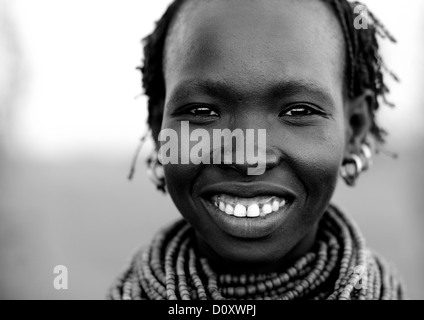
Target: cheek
<point>179,180</point>
<point>181,176</point>
<point>317,159</point>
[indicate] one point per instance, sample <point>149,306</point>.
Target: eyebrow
<point>223,90</point>
<point>296,87</point>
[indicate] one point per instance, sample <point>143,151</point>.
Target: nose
<point>246,167</point>
<point>255,155</point>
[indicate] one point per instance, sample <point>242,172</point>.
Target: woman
<point>308,74</point>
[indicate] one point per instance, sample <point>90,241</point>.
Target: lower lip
<point>249,228</point>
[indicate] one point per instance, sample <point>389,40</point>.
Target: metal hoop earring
<point>351,168</point>
<point>155,172</point>
<point>366,152</point>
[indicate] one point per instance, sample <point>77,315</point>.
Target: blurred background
<point>71,115</point>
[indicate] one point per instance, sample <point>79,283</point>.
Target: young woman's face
<point>274,65</point>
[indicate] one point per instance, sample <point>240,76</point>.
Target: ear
<point>358,121</point>
<point>156,121</point>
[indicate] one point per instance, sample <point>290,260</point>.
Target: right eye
<point>202,111</point>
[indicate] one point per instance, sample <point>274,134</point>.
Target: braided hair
<point>365,67</point>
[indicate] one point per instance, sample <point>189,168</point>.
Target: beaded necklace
<point>339,267</point>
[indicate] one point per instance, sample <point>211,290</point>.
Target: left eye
<point>298,111</point>
<point>203,111</point>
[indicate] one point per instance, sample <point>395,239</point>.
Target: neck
<point>223,265</point>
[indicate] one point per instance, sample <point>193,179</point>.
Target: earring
<point>354,165</point>
<point>155,171</point>
<point>366,152</point>
<point>351,168</point>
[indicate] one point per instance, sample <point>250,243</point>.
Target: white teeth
<point>275,205</point>
<point>222,206</point>
<point>253,211</point>
<point>240,211</point>
<point>248,207</point>
<point>266,209</point>
<point>229,209</point>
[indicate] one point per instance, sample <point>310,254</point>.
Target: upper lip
<point>247,190</point>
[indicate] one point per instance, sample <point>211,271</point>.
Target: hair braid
<point>367,65</point>
<point>152,70</point>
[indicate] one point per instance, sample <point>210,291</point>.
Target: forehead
<point>254,42</point>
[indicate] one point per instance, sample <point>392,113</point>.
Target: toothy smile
<point>248,207</point>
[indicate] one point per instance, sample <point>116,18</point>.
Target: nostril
<point>272,160</point>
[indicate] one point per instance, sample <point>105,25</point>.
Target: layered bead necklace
<point>340,267</point>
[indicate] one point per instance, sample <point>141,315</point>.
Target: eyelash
<point>309,109</point>
<point>191,110</point>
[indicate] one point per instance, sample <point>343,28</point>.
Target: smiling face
<point>274,65</point>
